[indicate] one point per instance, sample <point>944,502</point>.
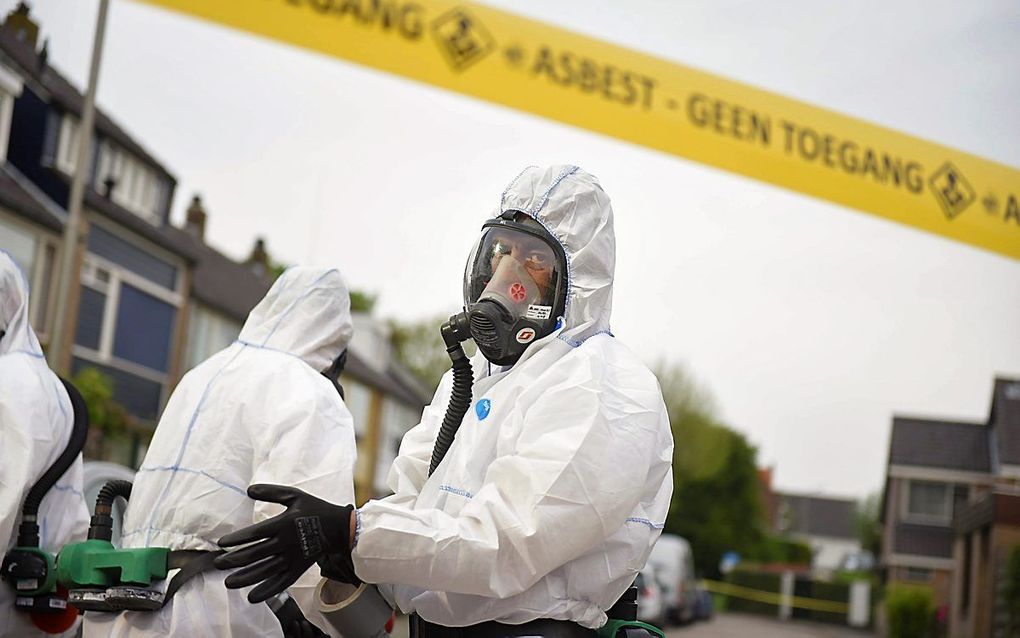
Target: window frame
<point>927,519</point>
<point>203,321</point>
<point>36,277</point>
<point>68,140</point>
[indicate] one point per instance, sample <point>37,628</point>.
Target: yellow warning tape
<point>773,598</point>
<point>539,68</point>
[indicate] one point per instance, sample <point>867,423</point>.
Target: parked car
<point>651,604</point>
<point>673,562</point>
<point>95,475</point>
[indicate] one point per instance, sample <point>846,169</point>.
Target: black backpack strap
<point>192,563</point>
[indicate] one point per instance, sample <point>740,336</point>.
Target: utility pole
<point>72,228</point>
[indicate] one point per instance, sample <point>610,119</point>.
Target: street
<point>737,626</point>
<point>740,625</point>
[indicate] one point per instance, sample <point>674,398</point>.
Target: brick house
<point>948,492</point>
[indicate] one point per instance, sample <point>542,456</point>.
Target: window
<point>929,502</point>
<point>136,186</point>
<point>10,88</point>
<point>358,399</point>
<point>396,419</point>
<point>127,320</point>
<point>36,255</point>
<point>145,329</point>
<point>20,244</point>
<point>67,144</point>
<point>6,108</point>
<point>208,333</point>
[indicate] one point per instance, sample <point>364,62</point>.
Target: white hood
<point>307,313</point>
<point>572,206</point>
<point>14,310</point>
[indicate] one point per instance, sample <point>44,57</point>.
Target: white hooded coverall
<point>558,482</point>
<point>258,411</point>
<point>35,425</point>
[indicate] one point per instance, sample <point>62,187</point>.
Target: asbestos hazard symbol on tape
<point>953,192</point>
<point>462,38</point>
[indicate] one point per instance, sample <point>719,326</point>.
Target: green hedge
<point>910,611</point>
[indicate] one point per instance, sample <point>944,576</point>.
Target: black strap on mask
<point>334,370</point>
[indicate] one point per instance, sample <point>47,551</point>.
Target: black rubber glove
<point>293,621</point>
<point>310,530</point>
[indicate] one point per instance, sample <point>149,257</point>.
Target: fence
<point>788,596</point>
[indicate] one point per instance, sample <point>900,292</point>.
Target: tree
<point>1011,591</point>
<point>362,301</point>
<point>716,501</point>
<point>107,418</point>
<point>419,346</point>
<point>869,528</point>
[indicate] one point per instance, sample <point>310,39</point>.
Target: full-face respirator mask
<point>514,287</point>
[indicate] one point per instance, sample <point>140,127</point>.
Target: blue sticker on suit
<point>482,409</point>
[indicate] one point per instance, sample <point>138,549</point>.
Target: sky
<point>810,323</point>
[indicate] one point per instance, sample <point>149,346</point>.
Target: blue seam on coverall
<point>67,488</point>
<point>34,355</point>
<point>456,490</point>
<point>269,348</point>
<point>188,470</point>
<point>645,521</point>
<point>575,343</point>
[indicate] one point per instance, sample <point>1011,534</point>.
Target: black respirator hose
<point>28,532</point>
<point>101,525</point>
<point>454,331</point>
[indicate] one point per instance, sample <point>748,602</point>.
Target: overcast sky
<point>811,324</point>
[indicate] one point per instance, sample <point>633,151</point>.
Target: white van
<point>673,563</point>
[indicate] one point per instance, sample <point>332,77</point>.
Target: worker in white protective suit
<point>558,481</point>
<point>258,411</point>
<point>35,426</point>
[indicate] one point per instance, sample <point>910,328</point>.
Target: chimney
<point>258,261</point>
<point>195,222</point>
<point>21,25</point>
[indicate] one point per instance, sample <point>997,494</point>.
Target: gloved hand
<point>311,530</point>
<point>293,621</point>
